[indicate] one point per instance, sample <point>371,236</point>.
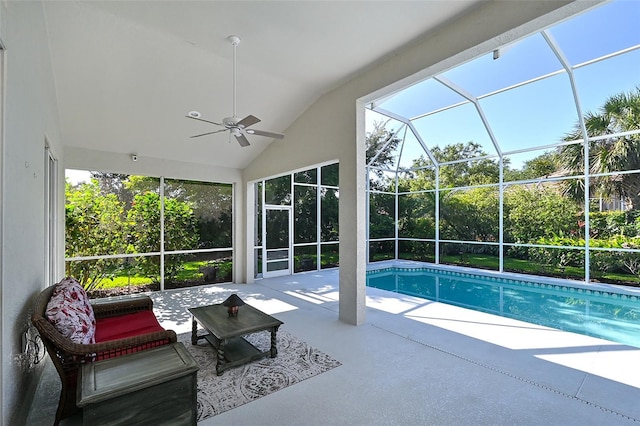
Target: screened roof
<point>520,100</point>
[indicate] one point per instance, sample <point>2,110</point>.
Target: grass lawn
<point>527,267</point>
<point>190,271</point>
<point>484,261</point>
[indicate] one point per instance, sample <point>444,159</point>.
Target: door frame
<point>280,272</point>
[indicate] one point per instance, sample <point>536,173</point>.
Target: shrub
<point>533,213</point>
<point>560,257</point>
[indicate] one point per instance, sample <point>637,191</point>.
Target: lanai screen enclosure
<point>525,159</point>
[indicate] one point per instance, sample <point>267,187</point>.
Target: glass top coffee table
<point>225,333</point>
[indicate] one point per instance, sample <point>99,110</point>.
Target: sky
<point>536,114</point>
<point>77,176</point>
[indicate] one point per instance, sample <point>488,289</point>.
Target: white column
<point>353,223</point>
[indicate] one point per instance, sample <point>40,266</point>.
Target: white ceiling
<point>127,72</point>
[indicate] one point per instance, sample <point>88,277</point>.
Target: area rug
<point>296,361</point>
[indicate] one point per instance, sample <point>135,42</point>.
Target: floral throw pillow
<point>71,313</point>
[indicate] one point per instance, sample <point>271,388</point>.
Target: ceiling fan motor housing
<point>230,122</point>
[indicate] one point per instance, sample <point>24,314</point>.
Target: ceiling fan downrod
<point>235,41</point>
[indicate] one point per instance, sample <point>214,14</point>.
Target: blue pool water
<point>599,313</point>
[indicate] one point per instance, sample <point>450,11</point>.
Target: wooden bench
<point>152,387</point>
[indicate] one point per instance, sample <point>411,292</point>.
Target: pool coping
<point>599,289</point>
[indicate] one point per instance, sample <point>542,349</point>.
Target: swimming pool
<point>593,312</point>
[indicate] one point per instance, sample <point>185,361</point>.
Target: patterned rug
<point>296,361</point>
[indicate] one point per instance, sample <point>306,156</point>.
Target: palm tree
<point>619,114</point>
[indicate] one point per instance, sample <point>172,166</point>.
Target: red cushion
<point>128,325</point>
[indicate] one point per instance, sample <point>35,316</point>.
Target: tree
<point>416,215</point>
<point>376,156</point>
<point>329,207</point>
<point>541,166</point>
<point>277,191</point>
<point>533,212</point>
<point>620,113</point>
<point>115,183</point>
<point>179,229</point>
<point>93,226</point>
<point>470,215</point>
<point>212,205</point>
<point>208,200</point>
<point>305,214</point>
<point>464,173</point>
<point>120,214</point>
<point>382,215</point>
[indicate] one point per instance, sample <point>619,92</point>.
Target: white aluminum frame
<point>407,123</point>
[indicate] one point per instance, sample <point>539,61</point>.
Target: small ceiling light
<point>194,114</point>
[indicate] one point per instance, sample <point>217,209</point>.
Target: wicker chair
<point>67,356</point>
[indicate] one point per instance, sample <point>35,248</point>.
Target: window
<point>124,231</point>
<point>311,242</point>
<point>51,215</point>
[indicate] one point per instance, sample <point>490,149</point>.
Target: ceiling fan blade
<point>249,120</point>
<point>202,119</point>
<point>265,133</point>
<point>209,133</point>
<point>242,140</point>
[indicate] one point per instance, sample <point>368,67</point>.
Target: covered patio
<point>105,86</point>
<point>416,362</point>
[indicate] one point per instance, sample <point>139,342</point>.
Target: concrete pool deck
<point>421,362</point>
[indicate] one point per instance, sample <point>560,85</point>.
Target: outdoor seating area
<point>111,328</point>
<point>416,362</point>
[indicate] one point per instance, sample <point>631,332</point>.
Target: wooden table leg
<point>194,331</point>
<point>220,361</point>
<point>274,348</point>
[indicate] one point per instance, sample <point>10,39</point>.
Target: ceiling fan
<point>237,128</point>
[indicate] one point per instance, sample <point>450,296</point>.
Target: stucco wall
<point>329,128</point>
<point>30,117</point>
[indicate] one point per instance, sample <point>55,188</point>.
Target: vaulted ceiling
<point>127,72</point>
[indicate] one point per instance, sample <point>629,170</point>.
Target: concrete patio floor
<point>418,362</point>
